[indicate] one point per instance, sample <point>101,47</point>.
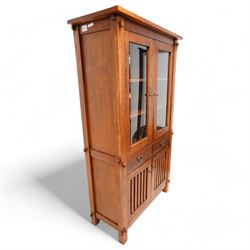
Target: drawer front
<point>139,158</point>
<point>161,143</point>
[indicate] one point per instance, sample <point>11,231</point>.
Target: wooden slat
<point>104,157</point>
<point>107,220</point>
<point>139,190</point>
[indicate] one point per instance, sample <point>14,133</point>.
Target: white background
<point>44,199</point>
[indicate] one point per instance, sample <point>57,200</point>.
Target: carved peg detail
<point>121,24</point>
<point>74,27</point>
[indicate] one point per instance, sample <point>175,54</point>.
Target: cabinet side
<point>98,58</point>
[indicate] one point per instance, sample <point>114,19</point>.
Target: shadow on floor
<point>69,185</point>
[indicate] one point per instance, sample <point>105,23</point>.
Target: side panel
<point>106,188</point>
<point>99,64</point>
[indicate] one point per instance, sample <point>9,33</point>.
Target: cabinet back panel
<point>100,83</point>
<point>106,188</point>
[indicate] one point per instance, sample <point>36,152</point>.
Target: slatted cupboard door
<point>159,173</point>
<point>139,184</point>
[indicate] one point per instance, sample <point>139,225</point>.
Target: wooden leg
<point>165,189</point>
<point>94,219</point>
<point>123,236</point>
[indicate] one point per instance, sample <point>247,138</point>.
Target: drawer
<point>161,143</point>
<point>139,158</point>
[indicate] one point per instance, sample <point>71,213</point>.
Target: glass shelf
<point>137,80</point>
<point>136,113</point>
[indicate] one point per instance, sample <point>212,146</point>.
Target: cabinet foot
<point>165,189</point>
<point>123,236</point>
<point>94,219</point>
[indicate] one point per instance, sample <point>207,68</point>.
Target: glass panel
<point>162,90</point>
<point>137,91</point>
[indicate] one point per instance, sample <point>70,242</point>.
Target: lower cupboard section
<point>146,182</point>
<point>159,171</point>
<point>139,187</point>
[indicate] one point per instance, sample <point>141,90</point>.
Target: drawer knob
<point>163,142</point>
<point>139,158</point>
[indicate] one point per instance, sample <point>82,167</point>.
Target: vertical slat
<point>164,166</point>
<point>131,196</point>
<point>136,192</point>
<point>139,190</point>
<point>161,169</point>
<point>159,177</point>
<point>157,173</point>
<point>146,183</point>
<point>143,186</point>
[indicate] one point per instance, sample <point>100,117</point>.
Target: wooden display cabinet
<point>126,72</point>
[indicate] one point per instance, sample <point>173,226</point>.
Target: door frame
<point>148,42</point>
<point>168,48</point>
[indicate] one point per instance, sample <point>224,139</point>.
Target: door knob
<point>139,158</point>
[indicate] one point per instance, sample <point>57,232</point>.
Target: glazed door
<point>139,91</point>
<point>162,88</point>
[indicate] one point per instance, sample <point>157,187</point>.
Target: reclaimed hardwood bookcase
<point>126,74</point>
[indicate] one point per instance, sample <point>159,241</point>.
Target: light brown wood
<point>118,10</point>
<point>124,176</point>
<point>81,80</point>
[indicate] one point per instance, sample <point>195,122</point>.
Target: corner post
<point>81,79</point>
<point>117,26</point>
<point>168,157</point>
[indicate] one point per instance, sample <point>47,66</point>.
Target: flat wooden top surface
<point>127,14</point>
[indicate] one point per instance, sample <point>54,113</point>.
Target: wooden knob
<point>139,158</point>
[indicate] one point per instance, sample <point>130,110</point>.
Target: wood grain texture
<point>106,183</point>
<point>118,10</point>
<point>82,92</point>
<point>99,61</point>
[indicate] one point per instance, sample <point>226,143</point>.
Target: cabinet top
<point>125,13</point>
